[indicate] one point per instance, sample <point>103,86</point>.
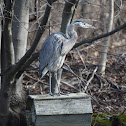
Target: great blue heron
<point>56,47</point>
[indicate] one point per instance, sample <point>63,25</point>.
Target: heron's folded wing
<point>51,48</point>
<point>46,53</point>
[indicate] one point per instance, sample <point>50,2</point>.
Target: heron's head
<point>82,23</point>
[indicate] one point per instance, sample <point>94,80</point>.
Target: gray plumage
<point>56,47</point>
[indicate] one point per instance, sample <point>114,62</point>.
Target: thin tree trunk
<point>20,33</point>
<point>103,60</point>
<point>5,92</point>
<point>20,27</point>
<point>67,15</point>
<point>1,11</point>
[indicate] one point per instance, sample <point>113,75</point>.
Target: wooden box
<point>65,110</point>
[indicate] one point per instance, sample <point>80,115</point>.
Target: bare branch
<point>100,36</point>
<point>29,61</point>
<point>89,81</point>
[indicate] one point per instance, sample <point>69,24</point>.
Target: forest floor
<point>108,92</point>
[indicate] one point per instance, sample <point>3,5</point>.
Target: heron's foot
<point>51,94</point>
<point>55,94</point>
<point>58,94</point>
<point>64,94</point>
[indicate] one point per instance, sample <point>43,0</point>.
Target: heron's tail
<point>43,72</point>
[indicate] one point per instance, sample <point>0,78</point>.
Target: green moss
<point>123,118</point>
<point>99,119</point>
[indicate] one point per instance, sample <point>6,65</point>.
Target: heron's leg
<point>50,91</point>
<point>54,87</point>
<point>59,73</point>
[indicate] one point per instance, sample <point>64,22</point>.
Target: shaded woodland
<point>96,65</point>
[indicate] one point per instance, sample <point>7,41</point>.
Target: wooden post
<point>65,110</point>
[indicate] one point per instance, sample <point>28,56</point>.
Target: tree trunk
<point>67,14</point>
<point>20,33</point>
<point>20,28</point>
<point>7,45</point>
<point>103,60</point>
<point>1,11</point>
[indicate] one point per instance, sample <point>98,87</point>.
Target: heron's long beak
<point>89,26</point>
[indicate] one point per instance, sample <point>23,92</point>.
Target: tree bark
<point>7,80</point>
<point>67,14</point>
<point>20,28</point>
<point>1,11</point>
<point>103,60</point>
<point>20,33</point>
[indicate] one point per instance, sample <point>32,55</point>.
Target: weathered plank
<point>64,110</point>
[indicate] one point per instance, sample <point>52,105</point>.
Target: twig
<point>81,58</point>
<point>69,85</point>
<point>34,79</point>
<point>89,81</point>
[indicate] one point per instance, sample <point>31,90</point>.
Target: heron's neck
<point>71,32</point>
